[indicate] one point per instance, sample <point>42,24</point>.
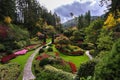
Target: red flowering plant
<point>43,56</point>
<point>7,58</point>
<point>73,67</point>
<point>57,54</point>
<point>3,31</point>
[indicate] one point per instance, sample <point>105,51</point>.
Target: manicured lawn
<point>77,60</point>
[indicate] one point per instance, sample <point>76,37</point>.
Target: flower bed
<point>21,52</point>
<point>43,56</point>
<point>67,51</point>
<point>7,58</point>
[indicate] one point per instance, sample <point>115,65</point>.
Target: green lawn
<point>77,60</point>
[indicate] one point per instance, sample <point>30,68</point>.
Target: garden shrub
<point>108,68</point>
<point>93,31</point>
<point>9,71</point>
<point>64,67</point>
<point>62,40</point>
<point>44,61</point>
<point>44,46</point>
<point>2,47</point>
<point>83,45</point>
<point>41,51</point>
<point>105,40</point>
<point>51,73</point>
<point>87,69</point>
<point>50,49</point>
<point>21,44</point>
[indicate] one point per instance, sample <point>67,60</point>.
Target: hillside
<point>74,22</point>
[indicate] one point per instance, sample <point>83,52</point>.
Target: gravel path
<point>27,74</point>
<point>88,54</point>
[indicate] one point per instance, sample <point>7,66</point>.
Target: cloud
<point>79,7</point>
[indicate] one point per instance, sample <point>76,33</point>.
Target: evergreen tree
<point>7,8</point>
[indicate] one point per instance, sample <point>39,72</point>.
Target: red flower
<point>73,67</point>
<point>43,56</point>
<point>56,54</point>
<point>7,58</point>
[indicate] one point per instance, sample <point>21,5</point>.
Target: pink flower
<point>21,52</point>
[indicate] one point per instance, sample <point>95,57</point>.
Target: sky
<point>63,8</point>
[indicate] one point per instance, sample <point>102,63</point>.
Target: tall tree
<point>80,22</point>
<point>7,8</point>
<point>113,7</point>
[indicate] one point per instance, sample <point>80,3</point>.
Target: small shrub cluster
<point>86,69</point>
<point>2,47</point>
<point>64,67</point>
<point>9,71</point>
<point>70,50</point>
<point>50,49</point>
<point>51,73</point>
<point>41,50</point>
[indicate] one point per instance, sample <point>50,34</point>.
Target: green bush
<point>105,40</point>
<point>2,47</point>
<point>51,73</point>
<point>44,62</point>
<point>93,31</point>
<point>64,67</point>
<point>9,71</point>
<point>18,33</point>
<point>87,69</point>
<point>41,51</point>
<point>108,68</point>
<point>50,49</point>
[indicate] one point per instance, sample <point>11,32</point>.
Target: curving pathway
<point>88,54</point>
<point>27,73</point>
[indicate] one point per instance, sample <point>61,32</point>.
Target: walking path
<point>27,73</point>
<point>88,54</point>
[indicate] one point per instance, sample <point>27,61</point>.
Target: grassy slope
<point>75,59</point>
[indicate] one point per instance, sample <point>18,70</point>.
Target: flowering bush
<point>73,67</point>
<point>11,56</point>
<point>21,52</point>
<point>7,58</point>
<point>7,20</point>
<point>43,56</point>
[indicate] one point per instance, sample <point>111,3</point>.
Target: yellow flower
<point>7,20</point>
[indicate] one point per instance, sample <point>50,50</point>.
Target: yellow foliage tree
<point>7,20</point>
<point>111,21</point>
